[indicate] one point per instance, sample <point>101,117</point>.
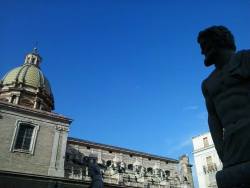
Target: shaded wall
<point>20,180</point>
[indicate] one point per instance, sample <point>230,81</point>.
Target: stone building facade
<point>206,159</point>
<point>128,167</point>
<point>43,151</point>
<point>34,138</point>
<point>35,143</point>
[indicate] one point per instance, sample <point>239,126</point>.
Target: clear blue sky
<point>127,72</point>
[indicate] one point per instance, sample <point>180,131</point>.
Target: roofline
<point>208,132</point>
<point>119,149</point>
<point>32,111</point>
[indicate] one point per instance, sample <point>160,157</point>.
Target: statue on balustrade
<point>95,173</point>
<point>121,167</point>
<point>94,170</point>
<point>227,96</point>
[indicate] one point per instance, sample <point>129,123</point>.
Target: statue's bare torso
<point>227,94</point>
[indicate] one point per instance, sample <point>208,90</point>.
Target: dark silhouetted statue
<point>95,173</point>
<point>227,95</point>
<point>93,168</point>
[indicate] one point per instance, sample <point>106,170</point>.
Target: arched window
<point>38,104</point>
<point>167,172</point>
<point>13,99</point>
<point>108,163</point>
<point>130,166</point>
<point>150,170</point>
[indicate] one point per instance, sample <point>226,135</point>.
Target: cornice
<point>77,141</point>
<point>203,149</point>
<point>34,112</point>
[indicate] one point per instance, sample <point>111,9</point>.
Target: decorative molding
<point>62,128</point>
<point>34,112</point>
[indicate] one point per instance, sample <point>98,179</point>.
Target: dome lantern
<point>33,58</point>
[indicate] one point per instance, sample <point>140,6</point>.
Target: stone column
<point>58,151</point>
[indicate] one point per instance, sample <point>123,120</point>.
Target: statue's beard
<point>211,57</point>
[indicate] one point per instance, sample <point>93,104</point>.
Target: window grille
<point>24,137</point>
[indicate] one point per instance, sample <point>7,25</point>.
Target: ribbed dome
<point>26,85</point>
<point>29,75</point>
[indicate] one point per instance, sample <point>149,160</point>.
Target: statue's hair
<point>220,36</point>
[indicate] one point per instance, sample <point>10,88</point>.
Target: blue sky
<point>127,72</point>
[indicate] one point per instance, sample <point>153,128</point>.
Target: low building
<point>127,167</point>
<point>35,148</point>
<point>206,159</point>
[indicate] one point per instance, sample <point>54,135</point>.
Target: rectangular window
<point>205,142</point>
<point>210,166</point>
<point>24,137</point>
<point>209,160</point>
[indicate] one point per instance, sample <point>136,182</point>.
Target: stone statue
<point>227,96</point>
<point>143,171</point>
<point>121,167</point>
<point>94,170</point>
<point>95,173</point>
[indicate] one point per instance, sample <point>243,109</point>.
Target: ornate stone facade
<point>127,167</point>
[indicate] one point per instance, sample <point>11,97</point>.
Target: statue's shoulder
<point>241,56</point>
<point>244,52</point>
<point>244,56</point>
<point>240,63</point>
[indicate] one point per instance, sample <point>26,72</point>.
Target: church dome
<point>28,75</point>
<point>29,83</point>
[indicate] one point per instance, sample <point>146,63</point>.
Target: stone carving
<point>227,95</point>
<point>62,128</point>
<point>116,171</point>
<point>94,170</point>
<point>143,171</point>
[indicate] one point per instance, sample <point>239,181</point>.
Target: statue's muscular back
<point>228,93</point>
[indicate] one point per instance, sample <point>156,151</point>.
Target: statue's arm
<point>214,123</point>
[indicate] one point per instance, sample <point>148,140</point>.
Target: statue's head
<point>213,40</point>
<point>92,158</point>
